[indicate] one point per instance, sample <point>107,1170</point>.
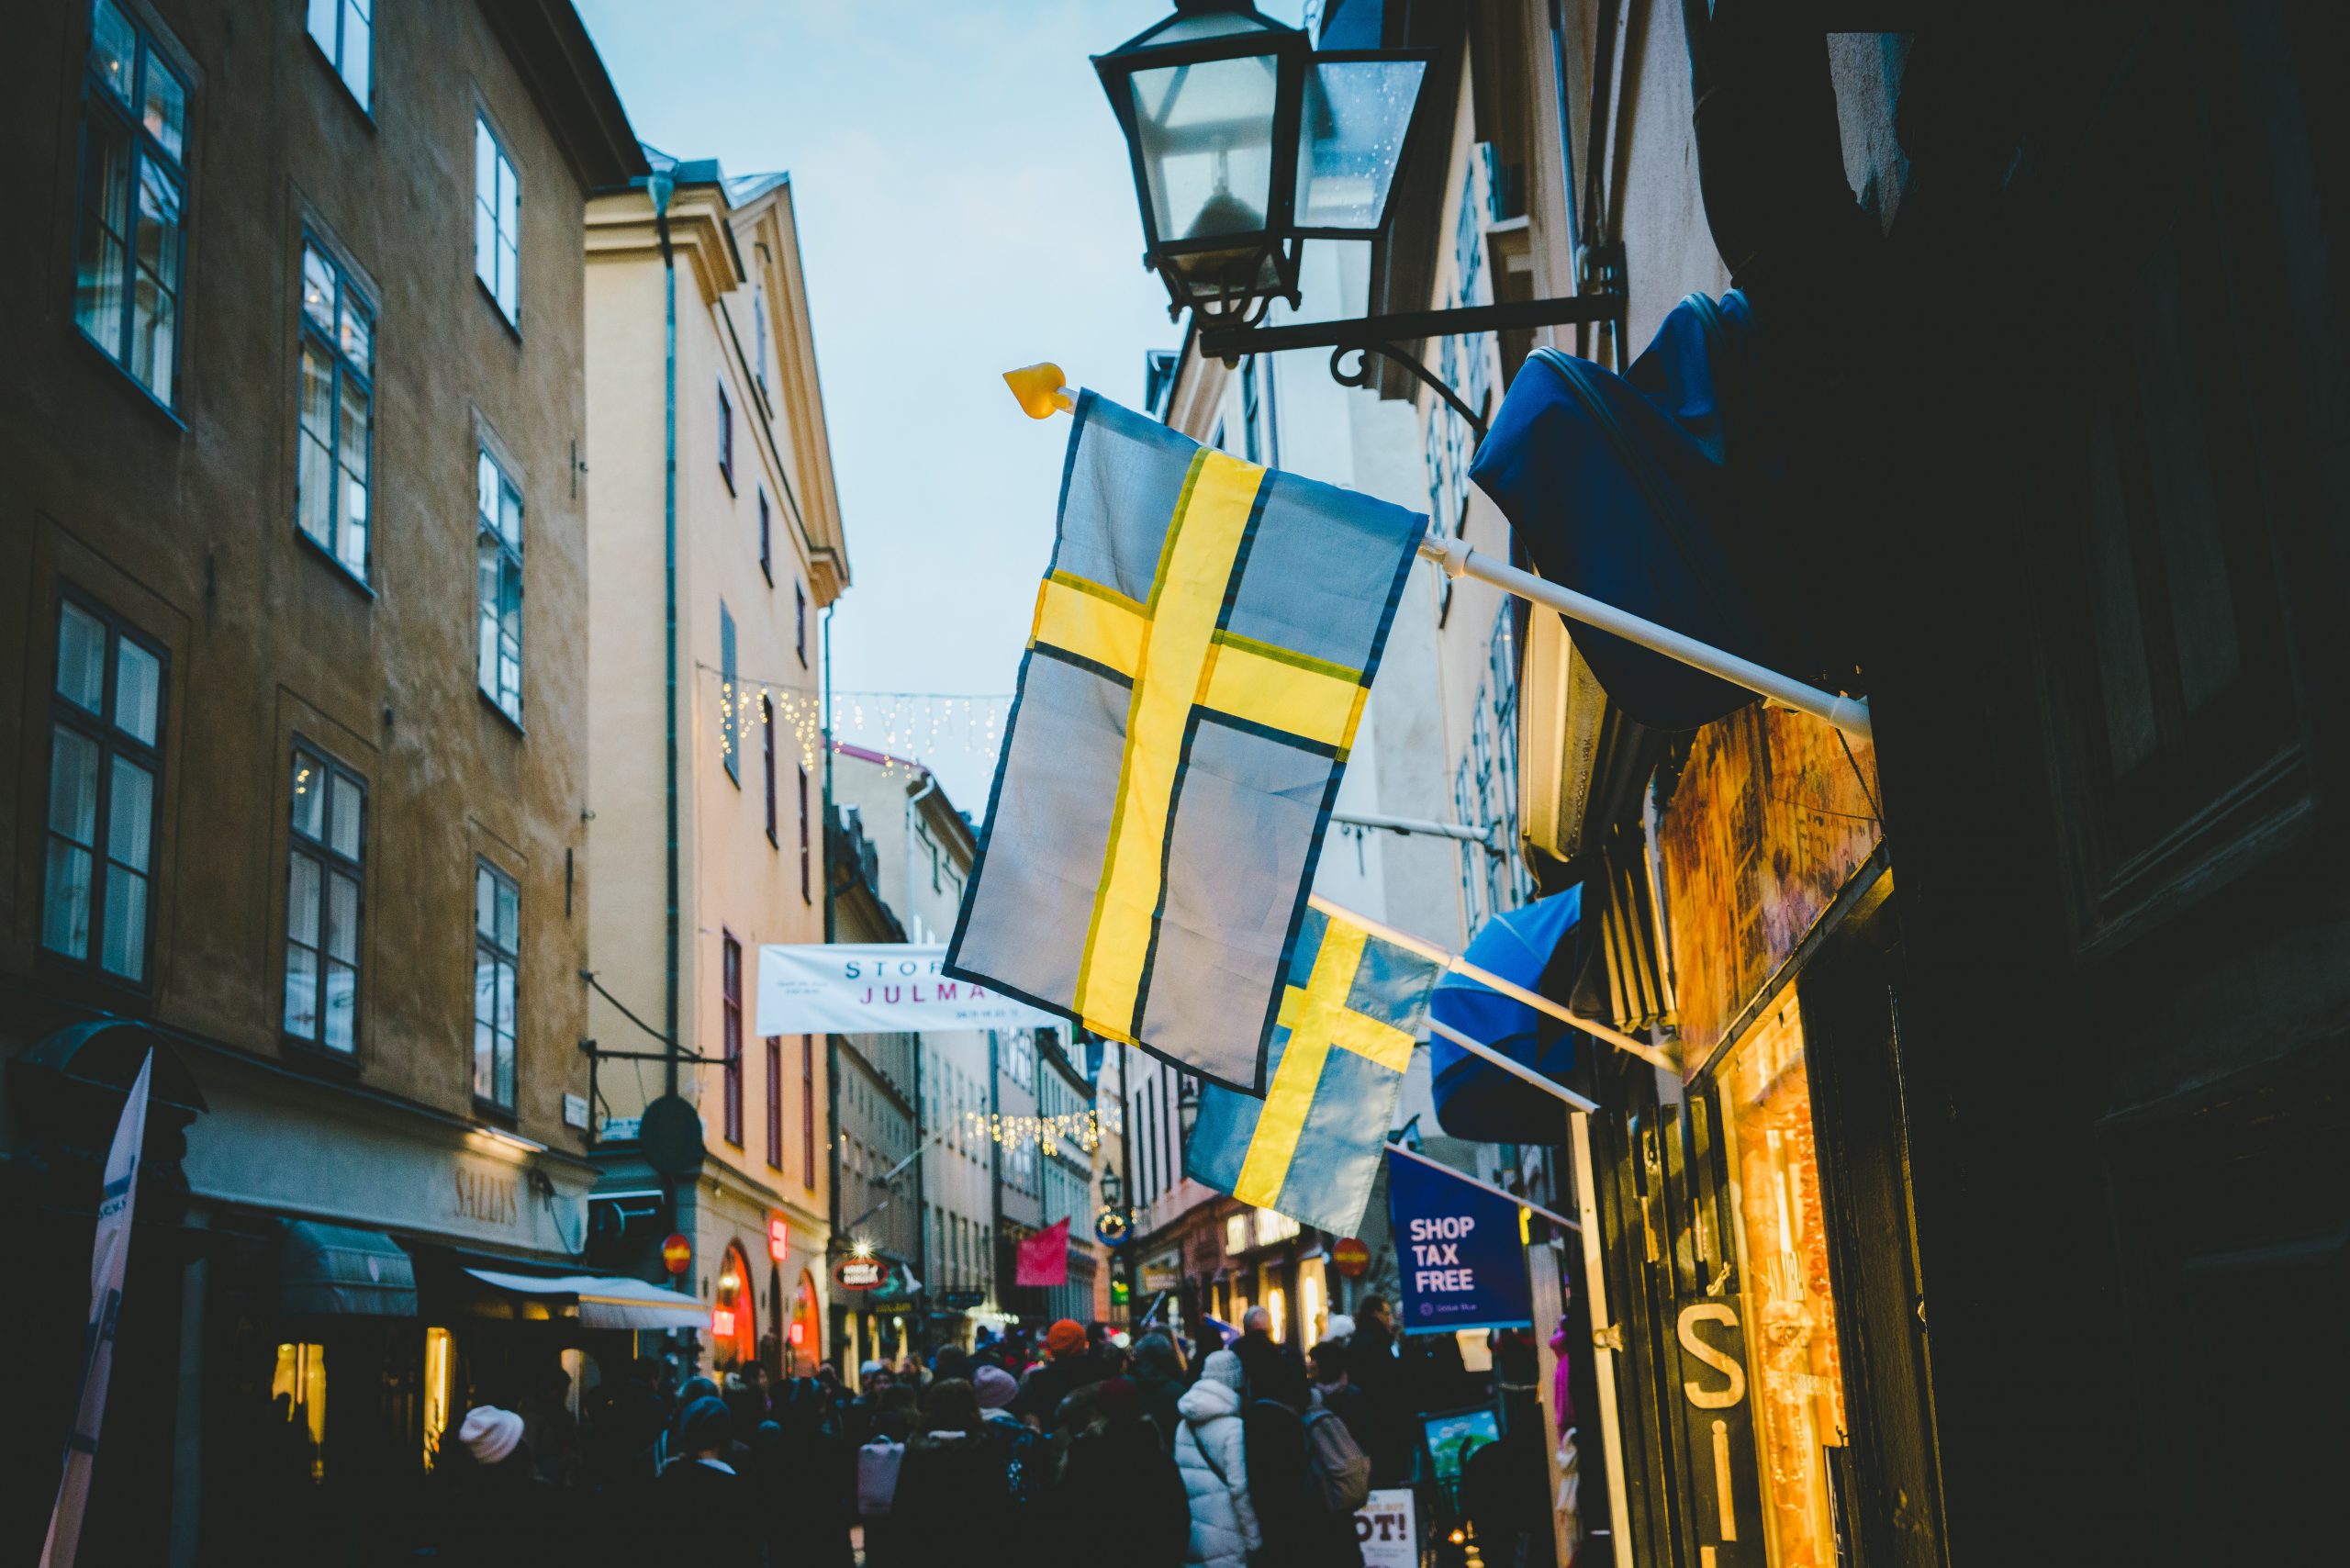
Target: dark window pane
<point>80,658</point>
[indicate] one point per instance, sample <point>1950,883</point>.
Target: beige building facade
<point>716,547</point>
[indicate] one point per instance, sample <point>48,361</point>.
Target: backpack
<point>1339,1470</point>
<point>878,1463</point>
<point>1028,1472</point>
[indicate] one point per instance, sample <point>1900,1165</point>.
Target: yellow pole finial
<point>1041,390</point>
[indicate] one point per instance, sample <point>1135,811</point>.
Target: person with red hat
<point>1072,1364</point>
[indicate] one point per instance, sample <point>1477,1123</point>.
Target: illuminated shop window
<point>1790,1308</point>
<point>297,1396</point>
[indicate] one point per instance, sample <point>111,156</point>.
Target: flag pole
<point>1458,1174</point>
<point>1515,1069</point>
<point>1041,392</point>
<point>1491,981</point>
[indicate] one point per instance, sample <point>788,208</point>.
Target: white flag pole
<point>1041,394</point>
<point>109,1257</point>
<point>1516,992</point>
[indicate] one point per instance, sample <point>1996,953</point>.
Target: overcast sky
<point>964,208</point>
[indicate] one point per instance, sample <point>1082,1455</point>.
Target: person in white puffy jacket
<point>1215,1470</point>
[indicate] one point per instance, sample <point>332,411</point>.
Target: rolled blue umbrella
<point>1474,1099</point>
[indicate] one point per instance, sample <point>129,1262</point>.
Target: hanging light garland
<point>1082,1129</point>
<point>898,725</point>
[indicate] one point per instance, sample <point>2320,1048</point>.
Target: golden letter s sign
<point>1710,1312</point>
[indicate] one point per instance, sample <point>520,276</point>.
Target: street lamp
<point>1244,141</point>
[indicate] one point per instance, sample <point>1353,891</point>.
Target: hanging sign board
<point>860,1273</point>
<point>1458,1252</point>
<point>878,988</point>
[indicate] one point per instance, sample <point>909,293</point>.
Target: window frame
<point>487,943</point>
<point>767,536</point>
<point>808,1112</point>
<point>144,149</point>
<point>799,620</point>
<point>511,316</point>
<point>730,1015</point>
<point>726,437</point>
<point>309,334</point>
<point>107,736</point>
<point>330,862</point>
<point>767,740</point>
<point>364,99</point>
<point>775,1102</point>
<point>511,557</point>
<point>807,857</point>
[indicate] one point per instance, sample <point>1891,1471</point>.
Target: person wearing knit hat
<point>714,1517</point>
<point>489,1434</point>
<point>1073,1366</point>
<point>996,1388</point>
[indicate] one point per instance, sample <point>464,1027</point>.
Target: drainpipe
<point>662,187</point>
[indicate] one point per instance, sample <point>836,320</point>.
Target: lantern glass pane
<point>1351,137</point>
<point>1205,133</point>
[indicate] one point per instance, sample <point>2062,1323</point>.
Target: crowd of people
<point>1082,1441</point>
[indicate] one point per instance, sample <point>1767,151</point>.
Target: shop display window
<point>297,1391</point>
<point>439,1368</point>
<point>1790,1305</point>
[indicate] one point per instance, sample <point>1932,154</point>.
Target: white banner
<point>109,1258</point>
<point>878,987</point>
<point>1385,1529</point>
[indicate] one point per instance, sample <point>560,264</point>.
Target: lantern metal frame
<point>1228,311</point>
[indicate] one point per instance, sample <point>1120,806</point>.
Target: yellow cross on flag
<point>1197,667</point>
<point>1347,1026</point>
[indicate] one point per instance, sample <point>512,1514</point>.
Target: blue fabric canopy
<point>1659,491</point>
<point>1475,1099</point>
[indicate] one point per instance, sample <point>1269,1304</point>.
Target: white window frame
<point>498,584</point>
<point>337,330</point>
<point>333,25</point>
<point>497,219</point>
<point>318,777</point>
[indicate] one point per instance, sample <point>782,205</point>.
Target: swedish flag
<point>1350,1009</point>
<point>1201,650</point>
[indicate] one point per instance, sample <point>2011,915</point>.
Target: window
<point>498,558</point>
<point>775,1102</point>
<point>726,437</point>
<point>759,330</point>
<point>800,621</point>
<point>498,221</point>
<point>766,538</point>
<point>808,1109</point>
<point>342,30</point>
<point>127,220</point>
<point>497,955</point>
<point>730,981</point>
<point>807,860</point>
<point>767,742</point>
<point>106,759</point>
<point>729,731</point>
<point>337,423</point>
<point>327,821</point>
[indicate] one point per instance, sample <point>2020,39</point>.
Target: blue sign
<point>1458,1249</point>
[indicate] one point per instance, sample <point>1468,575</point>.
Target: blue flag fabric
<point>1651,491</point>
<point>1351,1011</point>
<point>1458,1252</point>
<point>1474,1099</point>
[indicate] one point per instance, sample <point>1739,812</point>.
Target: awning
<point>1475,1099</point>
<point>334,1269</point>
<point>605,1301</point>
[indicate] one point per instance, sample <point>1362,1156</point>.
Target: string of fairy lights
<point>1082,1129</point>
<point>897,724</point>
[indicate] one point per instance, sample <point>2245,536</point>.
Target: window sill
<point>499,709</point>
<point>491,1111</point>
<point>513,328</point>
<point>122,370</point>
<point>334,563</point>
<point>81,980</point>
<point>311,1056</point>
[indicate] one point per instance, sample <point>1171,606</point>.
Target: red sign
<point>799,1333</point>
<point>721,1323</point>
<point>860,1273</point>
<point>1350,1257</point>
<point>779,1237</point>
<point>676,1254</point>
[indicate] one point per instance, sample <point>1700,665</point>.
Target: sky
<point>965,207</point>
